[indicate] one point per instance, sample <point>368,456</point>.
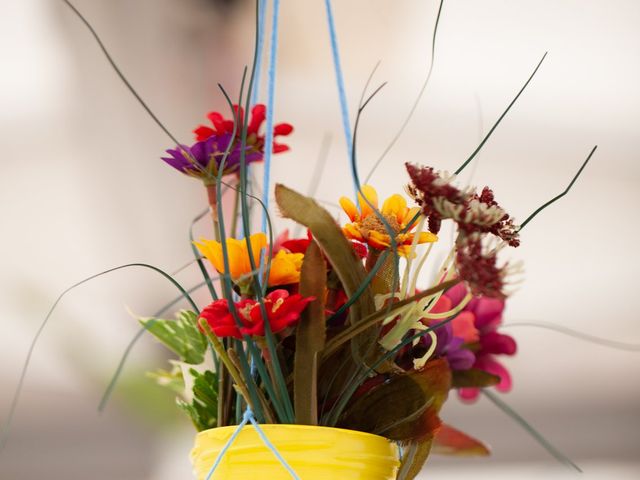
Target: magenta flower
<point>478,324</point>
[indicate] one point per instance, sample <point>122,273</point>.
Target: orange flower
<point>367,227</point>
<point>284,268</point>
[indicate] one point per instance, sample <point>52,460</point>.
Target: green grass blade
<point>558,197</point>
<point>495,125</point>
<point>16,397</point>
<point>557,454</point>
<point>416,101</point>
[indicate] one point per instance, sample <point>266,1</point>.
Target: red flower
<point>222,126</point>
<point>282,309</point>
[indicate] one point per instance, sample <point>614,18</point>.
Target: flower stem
<point>241,386</point>
<point>236,206</point>
<point>212,197</point>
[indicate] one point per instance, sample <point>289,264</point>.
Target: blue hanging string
<point>268,142</point>
<point>246,418</point>
<point>344,107</point>
<point>262,5</point>
<point>273,448</point>
<point>271,83</point>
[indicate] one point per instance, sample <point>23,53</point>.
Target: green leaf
<point>203,409</point>
<point>172,380</point>
<point>451,441</point>
<point>310,337</point>
<point>181,336</point>
<point>473,378</point>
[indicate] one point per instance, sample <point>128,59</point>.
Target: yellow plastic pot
<point>314,453</point>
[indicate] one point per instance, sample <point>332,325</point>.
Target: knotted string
<point>246,418</point>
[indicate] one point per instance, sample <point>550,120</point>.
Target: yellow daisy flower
<point>366,227</point>
<point>284,268</point>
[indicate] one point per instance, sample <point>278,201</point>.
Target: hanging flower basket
<point>314,453</point>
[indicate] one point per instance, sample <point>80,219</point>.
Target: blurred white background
<point>82,189</point>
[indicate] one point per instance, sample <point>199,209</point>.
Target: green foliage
<point>181,336</point>
<point>203,408</point>
<point>171,380</point>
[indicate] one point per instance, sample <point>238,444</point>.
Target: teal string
<point>344,108</point>
<point>246,418</point>
<point>271,83</point>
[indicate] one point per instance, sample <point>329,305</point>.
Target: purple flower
<point>448,345</point>
<point>203,159</point>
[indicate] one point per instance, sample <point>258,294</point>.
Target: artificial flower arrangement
<point>334,335</point>
<point>328,329</point>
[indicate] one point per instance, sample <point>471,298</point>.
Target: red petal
<point>279,147</point>
<point>297,245</point>
<point>258,114</point>
<point>217,120</point>
<point>360,249</point>
<point>282,129</point>
<point>202,132</point>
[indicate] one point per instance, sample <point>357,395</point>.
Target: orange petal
<point>395,206</point>
<point>258,242</point>
<point>378,240</point>
<point>238,258</point>
<point>352,232</point>
<point>212,251</point>
<point>285,268</point>
<point>412,212</point>
<point>350,209</point>
<point>372,196</point>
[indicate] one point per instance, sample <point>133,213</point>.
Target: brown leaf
<point>414,456</point>
<point>310,337</point>
<point>473,377</point>
<point>403,408</point>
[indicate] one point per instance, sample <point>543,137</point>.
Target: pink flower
<point>478,324</point>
